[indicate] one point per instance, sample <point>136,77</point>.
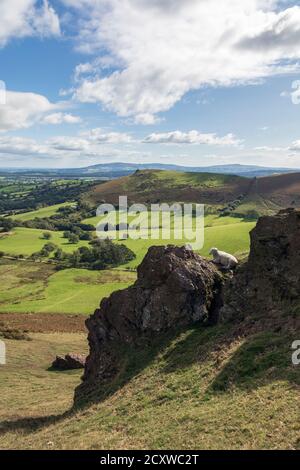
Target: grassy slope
<point>29,240</point>
<point>170,186</point>
<point>233,238</point>
<point>266,195</point>
<point>228,233</point>
<point>37,288</point>
<point>40,213</point>
<point>194,390</point>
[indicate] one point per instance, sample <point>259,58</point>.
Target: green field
<point>40,213</point>
<point>226,233</point>
<point>26,241</point>
<point>194,390</point>
<point>36,288</point>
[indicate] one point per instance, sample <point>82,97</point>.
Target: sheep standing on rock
<point>223,259</point>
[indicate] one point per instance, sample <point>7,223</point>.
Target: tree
<point>73,238</point>
<point>47,235</point>
<point>6,224</point>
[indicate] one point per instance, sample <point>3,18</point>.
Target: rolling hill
<point>118,169</point>
<point>239,195</point>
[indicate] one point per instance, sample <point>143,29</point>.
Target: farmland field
<point>27,287</point>
<point>26,241</point>
<point>227,233</point>
<point>47,211</point>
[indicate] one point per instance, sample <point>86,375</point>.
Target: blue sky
<point>193,83</point>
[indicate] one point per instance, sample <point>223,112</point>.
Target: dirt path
<point>45,322</point>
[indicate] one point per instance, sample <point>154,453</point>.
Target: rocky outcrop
<point>68,362</point>
<point>271,276</point>
<point>175,287</point>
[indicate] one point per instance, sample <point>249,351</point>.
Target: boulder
<point>271,276</point>
<point>175,288</point>
<point>68,362</point>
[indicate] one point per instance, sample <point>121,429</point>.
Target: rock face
<point>175,287</point>
<point>272,274</point>
<point>70,361</point>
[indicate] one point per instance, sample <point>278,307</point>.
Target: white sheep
<point>223,259</point>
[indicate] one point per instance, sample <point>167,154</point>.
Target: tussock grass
<point>200,388</point>
<point>27,287</point>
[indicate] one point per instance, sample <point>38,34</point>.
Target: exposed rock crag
<point>272,274</point>
<point>175,287</point>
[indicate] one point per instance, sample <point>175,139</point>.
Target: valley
<point>192,380</point>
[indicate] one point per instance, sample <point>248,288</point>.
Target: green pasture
<point>26,241</point>
<point>226,233</point>
<point>36,288</point>
<point>43,212</point>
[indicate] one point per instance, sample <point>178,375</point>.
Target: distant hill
<point>236,194</point>
<point>117,169</point>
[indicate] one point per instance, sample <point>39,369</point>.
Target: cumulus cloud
<point>21,18</point>
<point>60,118</point>
<point>192,137</point>
<point>21,146</point>
<point>150,54</point>
<point>295,94</point>
<point>295,147</point>
<point>21,110</point>
<point>100,136</point>
<point>69,144</point>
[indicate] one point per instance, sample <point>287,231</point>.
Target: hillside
<point>118,169</point>
<point>264,195</point>
<point>150,186</point>
<point>189,386</point>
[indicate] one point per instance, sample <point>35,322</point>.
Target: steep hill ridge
<point>263,195</point>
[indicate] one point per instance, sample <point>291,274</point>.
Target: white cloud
<point>21,146</point>
<point>101,137</point>
<point>60,118</point>
<point>160,50</point>
<point>23,109</point>
<point>69,144</point>
<point>21,18</point>
<point>295,147</point>
<point>192,137</point>
<point>267,148</point>
<point>295,95</point>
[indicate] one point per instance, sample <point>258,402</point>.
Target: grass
<point>233,238</point>
<point>37,288</point>
<point>26,241</point>
<point>205,180</point>
<point>28,287</point>
<point>227,233</point>
<point>40,213</point>
<point>192,390</point>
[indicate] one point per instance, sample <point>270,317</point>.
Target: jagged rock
<point>272,274</point>
<point>175,287</point>
<point>69,361</point>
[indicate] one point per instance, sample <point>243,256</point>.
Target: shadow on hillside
<point>31,424</point>
<point>261,359</point>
